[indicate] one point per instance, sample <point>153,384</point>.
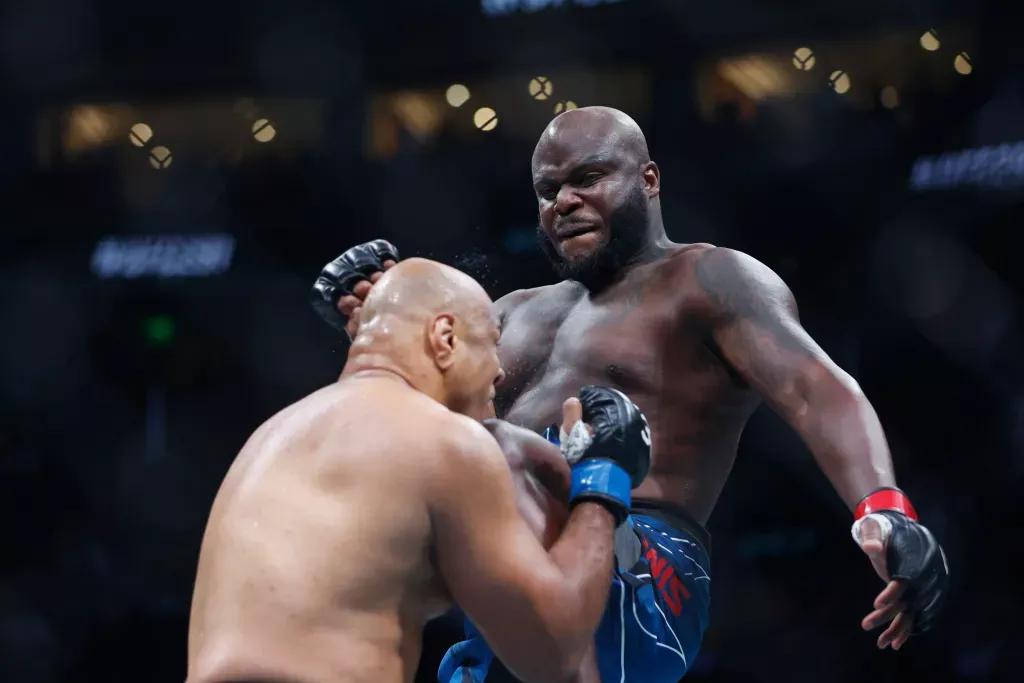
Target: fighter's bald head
<point>418,289</point>
<point>434,326</point>
<point>592,131</point>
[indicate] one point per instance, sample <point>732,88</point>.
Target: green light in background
<point>160,329</point>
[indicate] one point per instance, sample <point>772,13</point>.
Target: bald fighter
<point>354,515</point>
<point>697,336</point>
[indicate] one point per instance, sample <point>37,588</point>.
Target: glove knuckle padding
<point>618,426</point>
<point>340,276</point>
<point>914,556</point>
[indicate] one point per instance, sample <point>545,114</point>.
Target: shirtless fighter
<point>354,515</point>
<point>697,336</point>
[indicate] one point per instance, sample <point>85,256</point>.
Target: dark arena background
<point>175,174</point>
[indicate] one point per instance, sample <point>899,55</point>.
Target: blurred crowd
<point>155,306</point>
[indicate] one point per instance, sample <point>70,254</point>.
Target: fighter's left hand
<point>907,557</point>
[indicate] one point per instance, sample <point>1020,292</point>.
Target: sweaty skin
<point>696,335</point>
<point>353,516</point>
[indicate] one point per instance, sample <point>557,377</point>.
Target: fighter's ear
<point>441,340</point>
<point>652,179</point>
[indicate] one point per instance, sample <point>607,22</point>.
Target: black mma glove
<point>912,554</point>
<point>609,463</point>
<point>343,273</point>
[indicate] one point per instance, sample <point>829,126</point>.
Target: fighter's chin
<point>480,413</point>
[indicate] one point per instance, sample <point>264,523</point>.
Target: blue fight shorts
<point>656,613</point>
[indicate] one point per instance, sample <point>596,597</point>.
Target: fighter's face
<point>476,368</point>
<point>593,211</point>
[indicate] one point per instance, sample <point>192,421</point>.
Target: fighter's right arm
<point>538,610</point>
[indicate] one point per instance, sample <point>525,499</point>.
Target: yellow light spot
<point>804,59</point>
<point>457,95</point>
<point>140,134</point>
<point>541,88</point>
<point>485,118</point>
<point>889,97</point>
<point>263,130</point>
<point>962,64</point>
<point>840,81</point>
<point>160,157</point>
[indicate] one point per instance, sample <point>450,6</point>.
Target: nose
<point>500,377</point>
<point>567,201</point>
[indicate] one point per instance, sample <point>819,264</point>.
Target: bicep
<point>757,330</point>
<point>536,454</point>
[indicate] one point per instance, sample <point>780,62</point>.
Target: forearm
<point>843,431</point>
<point>584,556</point>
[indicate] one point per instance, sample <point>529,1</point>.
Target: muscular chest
<point>549,352</point>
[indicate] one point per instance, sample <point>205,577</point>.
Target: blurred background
<point>174,175</point>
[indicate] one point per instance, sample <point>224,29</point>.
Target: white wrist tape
<point>575,442</point>
<point>883,523</point>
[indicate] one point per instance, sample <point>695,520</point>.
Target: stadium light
<point>889,97</point>
<point>457,95</point>
<point>485,118</point>
<point>962,64</point>
<point>840,81</point>
<point>263,130</point>
<point>804,59</point>
<point>140,134</point>
<point>541,88</point>
<point>160,158</point>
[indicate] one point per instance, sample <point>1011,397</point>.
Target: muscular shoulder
<point>541,296</point>
<point>466,443</point>
<point>730,282</point>
<point>461,430</point>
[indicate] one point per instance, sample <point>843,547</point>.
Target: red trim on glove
<point>885,499</point>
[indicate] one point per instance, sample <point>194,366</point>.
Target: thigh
<point>656,614</point>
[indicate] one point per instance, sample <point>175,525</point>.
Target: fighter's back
<point>279,595</point>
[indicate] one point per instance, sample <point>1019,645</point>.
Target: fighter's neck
<point>368,364</point>
<point>655,250</point>
<point>656,246</point>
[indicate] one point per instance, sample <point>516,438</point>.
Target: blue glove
<point>609,463</point>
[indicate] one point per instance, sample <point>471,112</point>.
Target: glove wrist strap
<point>604,479</point>
<point>886,498</point>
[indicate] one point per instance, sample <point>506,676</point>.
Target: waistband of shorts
<point>675,517</point>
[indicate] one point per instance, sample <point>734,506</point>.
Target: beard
<point>627,237</point>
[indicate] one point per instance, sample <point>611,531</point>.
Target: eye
<point>591,177</point>
<point>548,193</point>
